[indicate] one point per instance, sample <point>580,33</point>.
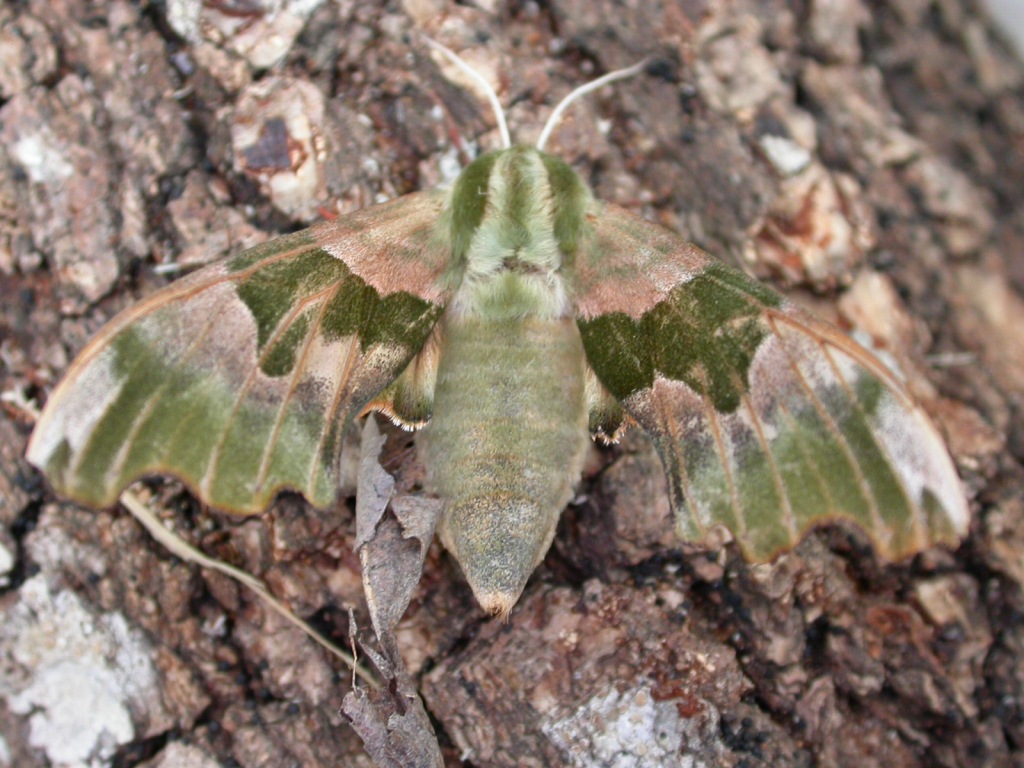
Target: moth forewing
<point>768,422</point>
<point>240,378</point>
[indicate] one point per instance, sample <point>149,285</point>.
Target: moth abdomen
<point>505,446</point>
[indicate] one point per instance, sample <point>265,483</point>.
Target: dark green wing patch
<point>704,333</point>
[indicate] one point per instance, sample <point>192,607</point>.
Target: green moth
<point>513,317</point>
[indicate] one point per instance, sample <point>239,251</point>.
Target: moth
<point>512,318</point>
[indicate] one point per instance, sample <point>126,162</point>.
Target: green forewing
<point>767,421</point>
<point>240,378</point>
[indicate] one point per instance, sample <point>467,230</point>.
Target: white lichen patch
<point>787,157</point>
<point>80,675</point>
<point>633,729</point>
<point>179,755</point>
<point>6,564</point>
<point>41,156</point>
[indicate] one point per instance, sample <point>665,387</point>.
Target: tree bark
<point>865,158</point>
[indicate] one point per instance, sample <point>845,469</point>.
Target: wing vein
<point>824,414</point>
<point>808,455</point>
<point>916,512</point>
<point>780,486</point>
<point>716,431</point>
<point>671,423</point>
<point>186,290</point>
<point>351,361</point>
<point>282,413</point>
<point>213,467</point>
<point>194,345</point>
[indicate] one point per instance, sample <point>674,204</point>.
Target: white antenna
<point>492,97</point>
<point>583,90</point>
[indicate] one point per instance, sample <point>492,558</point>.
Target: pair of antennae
<point>556,116</point>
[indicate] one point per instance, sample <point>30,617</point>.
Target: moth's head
<point>539,200</point>
<point>517,208</point>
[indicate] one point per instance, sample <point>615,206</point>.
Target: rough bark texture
<point>866,156</point>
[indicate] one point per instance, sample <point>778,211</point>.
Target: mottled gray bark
<point>866,158</point>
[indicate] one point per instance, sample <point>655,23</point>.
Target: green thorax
<point>516,209</point>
